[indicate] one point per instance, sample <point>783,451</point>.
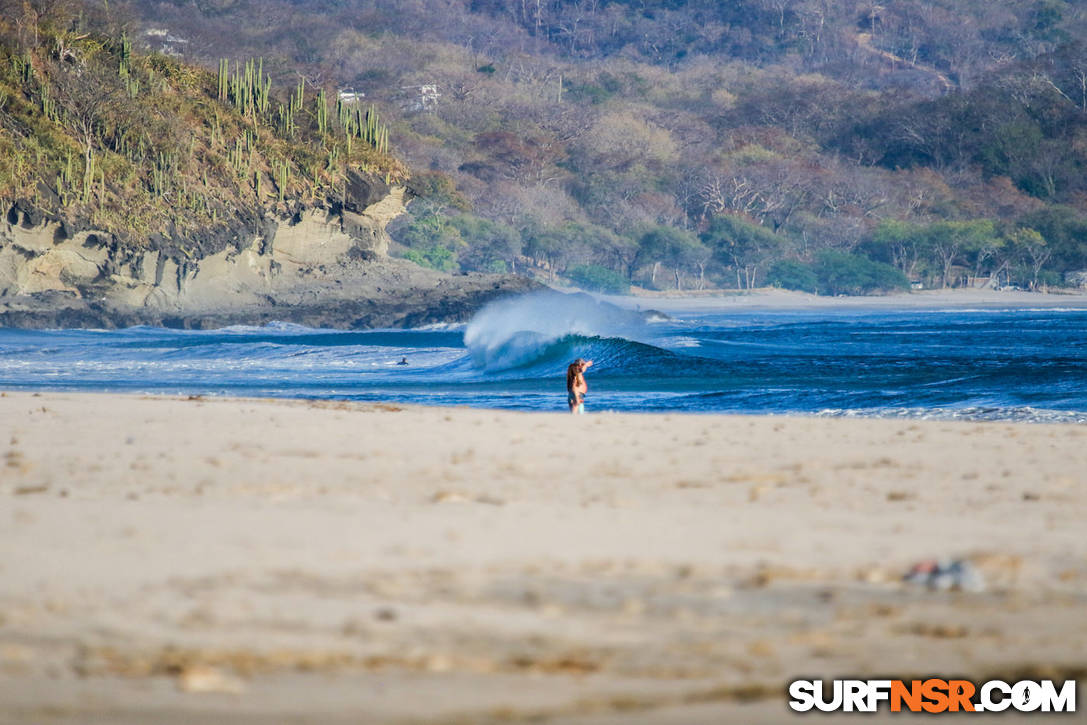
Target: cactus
<point>124,65</point>
<point>246,88</point>
<point>49,107</point>
<point>287,125</point>
<point>236,155</point>
<point>224,80</point>
<point>23,67</point>
<point>68,170</point>
<point>322,112</point>
<point>365,126</point>
<point>89,173</point>
<point>299,96</point>
<point>282,177</point>
<point>158,180</point>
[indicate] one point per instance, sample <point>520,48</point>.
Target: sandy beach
<point>770,298</point>
<point>209,560</point>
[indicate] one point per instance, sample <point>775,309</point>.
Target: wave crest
<point>547,328</point>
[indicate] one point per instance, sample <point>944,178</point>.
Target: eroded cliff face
<point>43,258</point>
<point>322,266</point>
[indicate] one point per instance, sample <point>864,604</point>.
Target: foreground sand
<point>244,561</point>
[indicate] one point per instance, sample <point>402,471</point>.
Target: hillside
<point>143,146</point>
<point>137,188</point>
<point>692,143</point>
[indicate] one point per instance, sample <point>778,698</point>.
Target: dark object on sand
<point>946,575</point>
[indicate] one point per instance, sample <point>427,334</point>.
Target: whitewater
<point>981,364</point>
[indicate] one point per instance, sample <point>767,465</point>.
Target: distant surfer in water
<point>403,361</point>
<point>576,387</point>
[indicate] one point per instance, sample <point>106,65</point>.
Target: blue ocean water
<point>986,364</point>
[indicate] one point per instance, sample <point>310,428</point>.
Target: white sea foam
<point>680,342</point>
<point>1009,414</point>
<point>995,310</point>
<point>440,327</point>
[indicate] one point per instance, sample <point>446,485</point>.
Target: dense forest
<point>839,146</point>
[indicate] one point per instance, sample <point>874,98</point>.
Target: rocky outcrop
<point>324,267</point>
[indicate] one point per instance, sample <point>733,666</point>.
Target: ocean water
<point>984,364</point>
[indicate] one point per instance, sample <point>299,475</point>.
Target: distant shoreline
<point>458,298</point>
<point>778,299</point>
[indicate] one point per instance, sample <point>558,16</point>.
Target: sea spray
<point>517,331</point>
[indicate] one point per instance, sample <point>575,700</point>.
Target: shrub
<point>487,246</point>
<point>596,278</point>
<point>844,273</point>
<point>790,274</point>
<point>435,257</point>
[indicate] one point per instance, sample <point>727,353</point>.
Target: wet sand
<point>253,561</point>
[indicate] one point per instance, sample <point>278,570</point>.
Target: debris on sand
<point>946,575</point>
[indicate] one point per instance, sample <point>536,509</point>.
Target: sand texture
<point>249,561</point>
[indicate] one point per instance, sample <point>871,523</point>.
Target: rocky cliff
<point>322,266</point>
<point>137,189</point>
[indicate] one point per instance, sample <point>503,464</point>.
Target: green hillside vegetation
<point>143,146</point>
<point>944,138</point>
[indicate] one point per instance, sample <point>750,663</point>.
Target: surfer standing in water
<point>576,387</point>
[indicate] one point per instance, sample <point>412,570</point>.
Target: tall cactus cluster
<point>287,125</point>
<point>64,179</point>
<point>162,172</point>
<point>49,106</point>
<point>93,178</point>
<point>237,155</point>
<point>365,126</point>
<point>124,68</point>
<point>282,171</point>
<point>249,91</point>
<point>246,88</point>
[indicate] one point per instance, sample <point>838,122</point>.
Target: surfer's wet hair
<point>572,371</point>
